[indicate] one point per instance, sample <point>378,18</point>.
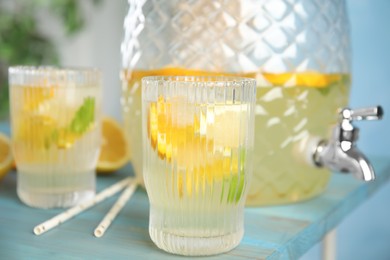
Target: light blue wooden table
<point>279,232</point>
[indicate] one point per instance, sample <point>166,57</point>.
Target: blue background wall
<point>365,234</point>
<point>370,32</point>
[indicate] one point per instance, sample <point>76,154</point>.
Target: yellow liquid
<point>195,149</point>
<point>290,110</point>
<point>56,165</point>
<point>287,118</point>
<point>196,172</point>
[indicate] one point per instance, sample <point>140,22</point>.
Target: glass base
<point>55,190</point>
<point>46,201</point>
<point>194,246</point>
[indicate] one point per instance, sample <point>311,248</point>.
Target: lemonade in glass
<point>198,143</point>
<point>55,120</point>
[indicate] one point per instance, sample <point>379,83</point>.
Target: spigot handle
<point>366,113</point>
<point>340,153</point>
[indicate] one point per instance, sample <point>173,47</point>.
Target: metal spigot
<point>340,153</point>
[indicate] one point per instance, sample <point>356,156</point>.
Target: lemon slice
<point>113,151</point>
<point>6,158</point>
<point>304,79</point>
<point>188,139</point>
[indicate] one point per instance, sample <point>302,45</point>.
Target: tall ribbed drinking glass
<point>55,118</point>
<point>198,142</point>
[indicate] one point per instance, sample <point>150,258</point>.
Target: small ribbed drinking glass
<point>197,147</point>
<point>55,120</point>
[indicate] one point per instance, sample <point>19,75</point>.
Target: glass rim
<point>200,79</point>
<point>47,76</point>
<point>50,70</point>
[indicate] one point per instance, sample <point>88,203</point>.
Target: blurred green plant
<point>22,42</point>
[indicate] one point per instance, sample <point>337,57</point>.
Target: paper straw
<point>68,214</point>
<point>115,209</point>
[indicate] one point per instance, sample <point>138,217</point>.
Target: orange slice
<point>166,135</point>
<point>6,158</point>
<point>113,152</point>
<point>34,96</point>
<point>178,136</point>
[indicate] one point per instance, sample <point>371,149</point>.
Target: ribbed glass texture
<point>198,144</point>
<point>55,118</point>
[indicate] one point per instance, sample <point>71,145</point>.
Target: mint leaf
<point>236,185</point>
<point>84,117</point>
<point>236,188</point>
<point>324,91</point>
<point>51,138</point>
<point>82,120</point>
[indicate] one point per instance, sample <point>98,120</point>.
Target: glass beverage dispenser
<point>299,53</point>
